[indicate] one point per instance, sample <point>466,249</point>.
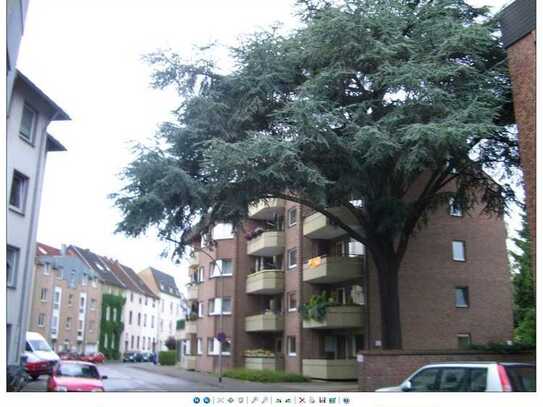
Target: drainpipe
<point>27,279</point>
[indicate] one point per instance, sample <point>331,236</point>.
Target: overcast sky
<point>86,55</point>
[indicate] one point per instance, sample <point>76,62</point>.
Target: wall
<point>390,368</point>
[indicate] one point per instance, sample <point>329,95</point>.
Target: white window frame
<point>458,248</point>
<point>200,309</point>
<point>13,265</point>
<point>199,349</point>
<point>46,271</point>
<point>466,297</point>
<point>41,320</point>
<point>290,341</point>
<point>93,304</point>
<point>43,294</point>
<point>68,324</point>
<point>223,300</point>
<point>294,210</point>
<point>22,190</point>
<point>291,266</point>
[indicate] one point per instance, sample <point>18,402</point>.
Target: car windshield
<point>522,377</point>
<point>78,370</point>
<point>39,345</point>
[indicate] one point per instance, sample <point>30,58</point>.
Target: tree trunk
<point>387,277</point>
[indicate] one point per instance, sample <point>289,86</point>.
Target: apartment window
<point>131,297</point>
<point>292,261</point>
<point>107,314</point>
<point>146,300</point>
<point>46,269</point>
<point>93,304</point>
<point>41,320</point>
<point>171,307</point>
<point>82,304</point>
<point>84,280</point>
<point>144,319</point>
<point>454,208</point>
<point>152,321</point>
<point>291,217</point>
<point>458,250</point>
<point>291,300</point>
<point>199,346</point>
<point>132,342</point>
<point>43,295</point>
<point>200,274</point>
<point>70,299</point>
<point>80,324</point>
<point>91,326</point>
<point>138,343</point>
<point>139,319</point>
<point>19,188</point>
<point>139,297</point>
<point>200,310</point>
<point>93,282</point>
<point>144,338</point>
<point>68,323</point>
<point>291,345</point>
<point>225,347</point>
<point>12,259</point>
<point>462,297</point>
<point>210,346</point>
<point>227,305</point>
<point>130,318</point>
<point>28,118</point>
<point>463,340</point>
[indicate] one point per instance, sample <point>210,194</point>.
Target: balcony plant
<point>193,316</point>
<point>316,307</point>
<point>258,353</point>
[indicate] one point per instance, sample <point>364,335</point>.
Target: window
<point>210,346</point>
<point>291,217</point>
<point>26,130</point>
<point>46,269</point>
<point>12,259</point>
<point>131,297</point>
<point>171,306</point>
<point>68,323</point>
<point>216,305</point>
<point>200,309</point>
<point>144,319</point>
<point>93,282</point>
<point>463,340</point>
<point>139,299</point>
<point>462,297</point>
<point>200,274</point>
<point>199,346</point>
<point>130,318</point>
<point>226,347</point>
<point>222,231</point>
<point>146,300</point>
<point>227,305</point>
<point>425,380</point>
<point>221,267</point>
<point>70,299</point>
<point>292,260</point>
<point>84,280</point>
<point>291,345</point>
<point>211,306</point>
<point>93,304</point>
<point>152,321</point>
<point>139,320</point>
<point>454,208</point>
<point>458,250</point>
<point>91,326</point>
<point>82,304</point>
<point>43,295</point>
<point>19,188</point>
<point>291,300</point>
<point>41,320</point>
<point>107,313</point>
<point>132,342</point>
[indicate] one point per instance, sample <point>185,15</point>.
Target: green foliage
<point>502,347</point>
<point>111,330</point>
<point>264,376</point>
<point>523,287</point>
<point>316,307</point>
<point>171,343</point>
<point>167,358</point>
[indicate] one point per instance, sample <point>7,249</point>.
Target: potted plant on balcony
<point>193,316</point>
<point>316,307</point>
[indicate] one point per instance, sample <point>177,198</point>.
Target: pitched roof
<point>98,264</point>
<point>138,281</point>
<point>123,274</point>
<point>165,282</point>
<point>45,250</point>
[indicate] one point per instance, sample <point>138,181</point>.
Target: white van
<point>40,358</point>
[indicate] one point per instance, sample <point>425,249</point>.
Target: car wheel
<point>35,377</point>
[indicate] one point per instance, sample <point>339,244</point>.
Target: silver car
<point>469,377</point>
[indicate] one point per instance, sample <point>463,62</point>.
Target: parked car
<point>40,358</point>
<point>469,377</point>
<point>93,357</point>
<point>75,376</point>
<point>69,356</point>
<point>146,357</point>
<point>138,356</point>
<point>129,357</point>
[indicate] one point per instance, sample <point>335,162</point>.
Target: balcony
<point>268,322</point>
<point>329,270</point>
<point>338,317</point>
<point>193,260</point>
<point>265,282</point>
<point>188,362</point>
<point>318,226</point>
<point>263,363</point>
<point>192,291</point>
<point>266,208</point>
<point>191,327</point>
<point>330,369</point>
<point>270,243</point>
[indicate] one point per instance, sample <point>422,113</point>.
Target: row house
<point>169,307</point>
<point>28,144</point>
<point>66,301</point>
<point>290,291</point>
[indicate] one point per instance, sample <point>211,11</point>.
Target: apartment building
<point>288,264</point>
<point>66,301</point>
<point>169,308</point>
<point>28,143</point>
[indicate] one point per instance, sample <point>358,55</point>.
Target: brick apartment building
<point>454,289</point>
<point>66,301</point>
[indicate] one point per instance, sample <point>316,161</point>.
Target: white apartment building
<point>27,142</point>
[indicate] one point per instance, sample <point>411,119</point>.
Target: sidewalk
<point>229,384</point>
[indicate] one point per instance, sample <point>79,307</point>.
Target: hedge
<point>167,358</point>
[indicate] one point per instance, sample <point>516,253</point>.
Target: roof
<point>138,281</point>
<point>98,264</point>
<point>53,144</point>
<point>165,282</point>
<point>128,278</point>
<point>517,20</point>
<point>61,114</point>
<point>45,250</point>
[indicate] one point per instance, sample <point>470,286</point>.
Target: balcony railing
<point>267,322</point>
<point>266,282</point>
<point>337,317</point>
<point>268,243</point>
<point>318,226</point>
<point>334,269</point>
<point>188,362</point>
<point>266,208</point>
<point>330,369</point>
<point>192,291</point>
<point>191,327</point>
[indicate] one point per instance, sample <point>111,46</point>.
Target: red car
<point>36,368</point>
<point>68,356</point>
<point>75,376</point>
<point>93,358</point>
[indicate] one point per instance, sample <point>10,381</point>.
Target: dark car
<point>138,356</point>
<point>129,357</point>
<point>146,357</point>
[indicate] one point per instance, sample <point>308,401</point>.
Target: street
<point>131,377</point>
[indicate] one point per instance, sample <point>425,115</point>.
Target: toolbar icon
<point>196,400</point>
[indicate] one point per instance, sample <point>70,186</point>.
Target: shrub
<point>171,343</point>
<point>502,347</point>
<point>167,358</point>
<point>316,307</point>
<point>265,376</point>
